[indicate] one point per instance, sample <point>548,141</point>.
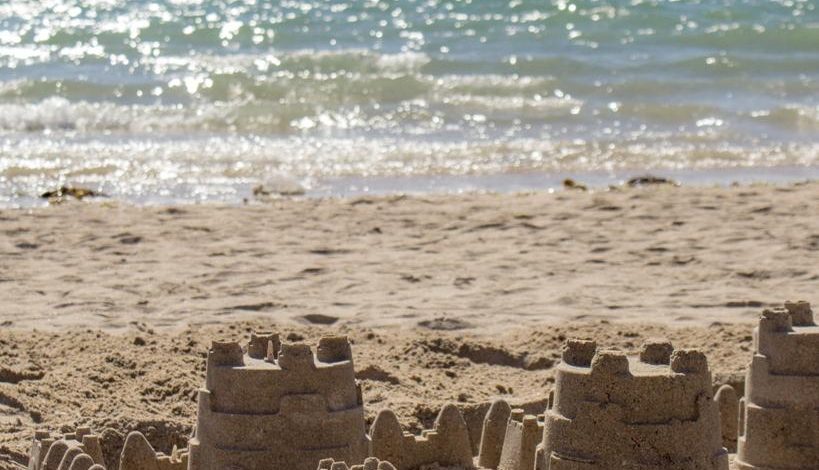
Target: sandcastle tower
<point>495,425</point>
<point>523,432</point>
<point>447,444</point>
<point>79,450</point>
<point>278,406</point>
<point>611,411</point>
<point>779,415</point>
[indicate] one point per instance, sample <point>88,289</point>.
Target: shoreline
<point>237,194</point>
<point>506,183</point>
<point>679,256</point>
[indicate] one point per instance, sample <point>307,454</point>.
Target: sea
<point>173,101</point>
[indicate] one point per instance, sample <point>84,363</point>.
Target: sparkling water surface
<point>191,100</point>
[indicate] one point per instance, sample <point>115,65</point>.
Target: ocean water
<point>190,100</point>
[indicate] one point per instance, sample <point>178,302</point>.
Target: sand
<point>458,299</point>
<point>478,261</point>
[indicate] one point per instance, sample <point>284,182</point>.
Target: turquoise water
<point>189,100</point>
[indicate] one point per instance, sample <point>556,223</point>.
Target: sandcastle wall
<point>6,463</point>
<point>79,450</point>
<point>138,454</point>
<point>779,415</point>
<point>447,444</point>
<point>611,411</point>
<point>370,463</point>
<point>278,406</point>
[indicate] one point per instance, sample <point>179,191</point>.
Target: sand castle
<point>611,411</point>
<point>779,415</point>
<point>278,406</point>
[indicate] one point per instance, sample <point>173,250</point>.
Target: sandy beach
<point>492,201</point>
<point>109,308</point>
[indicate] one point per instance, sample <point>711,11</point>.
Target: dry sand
<point>665,254</point>
<point>447,298</point>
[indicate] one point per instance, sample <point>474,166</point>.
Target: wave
<point>432,107</point>
<point>801,118</point>
<point>60,114</point>
<point>300,60</point>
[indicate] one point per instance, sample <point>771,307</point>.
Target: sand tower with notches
<point>612,411</point>
<point>779,415</point>
<point>278,406</point>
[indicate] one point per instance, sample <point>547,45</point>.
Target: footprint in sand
<point>319,319</point>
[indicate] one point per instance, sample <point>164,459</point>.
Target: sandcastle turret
<point>779,415</point>
<point>447,444</point>
<point>494,431</point>
<point>612,411</point>
<point>278,406</point>
<point>728,403</point>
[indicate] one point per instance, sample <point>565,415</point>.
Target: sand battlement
<point>267,347</point>
<point>655,352</point>
<point>779,415</point>
<point>661,398</point>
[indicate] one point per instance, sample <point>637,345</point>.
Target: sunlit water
<point>188,100</point>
